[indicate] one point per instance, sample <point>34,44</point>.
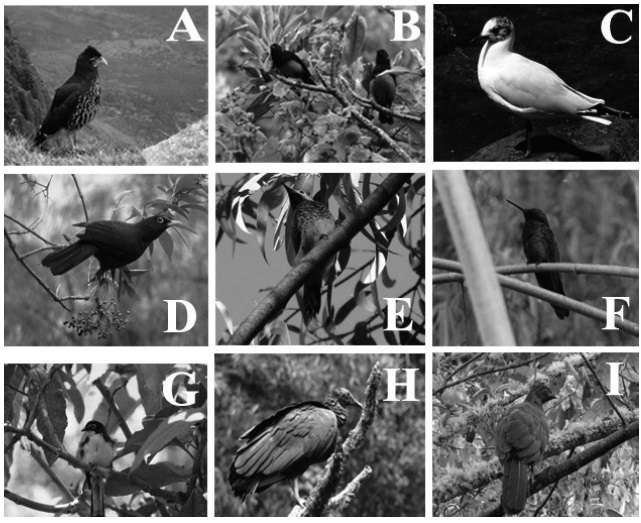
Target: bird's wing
<point>64,102</point>
<point>522,433</point>
<point>302,436</point>
<point>111,236</point>
<point>529,86</point>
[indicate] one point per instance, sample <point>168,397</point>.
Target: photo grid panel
<point>123,293</point>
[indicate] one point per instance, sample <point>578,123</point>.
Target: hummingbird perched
<point>311,222</point>
<point>540,246</point>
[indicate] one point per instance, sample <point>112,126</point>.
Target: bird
<point>96,449</point>
<point>539,246</point>
<point>75,102</point>
<point>113,243</point>
<point>311,222</point>
<point>527,88</point>
<point>290,64</point>
<point>283,446</point>
<point>522,435</point>
<point>383,88</point>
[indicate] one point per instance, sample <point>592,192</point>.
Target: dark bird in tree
<point>521,437</point>
<point>284,445</point>
<point>311,222</point>
<point>76,101</point>
<point>114,244</point>
<point>383,88</point>
<point>290,65</point>
<point>539,246</point>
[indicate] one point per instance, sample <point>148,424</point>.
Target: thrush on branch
<point>311,222</point>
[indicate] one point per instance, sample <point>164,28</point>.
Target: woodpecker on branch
<point>311,222</point>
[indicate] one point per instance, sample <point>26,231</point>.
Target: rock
<point>25,98</point>
<point>188,147</point>
<point>574,141</point>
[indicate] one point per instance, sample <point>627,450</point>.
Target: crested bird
<point>96,448</point>
<point>75,102</point>
<point>383,88</point>
<point>539,246</point>
<point>527,88</point>
<point>311,222</point>
<point>522,435</point>
<point>283,446</point>
<point>113,243</point>
<point>290,64</point>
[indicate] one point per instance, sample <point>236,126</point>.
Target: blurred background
<point>594,217</point>
<point>250,388</point>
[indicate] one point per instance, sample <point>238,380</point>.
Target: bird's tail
<point>596,113</point>
<point>552,282</point>
<point>515,486</point>
<point>64,259</point>
<point>311,299</point>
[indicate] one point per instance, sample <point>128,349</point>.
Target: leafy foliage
<point>263,117</point>
<point>385,260</point>
<point>165,445</point>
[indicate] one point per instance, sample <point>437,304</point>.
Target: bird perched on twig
<point>527,88</point>
<point>114,244</point>
<point>75,102</point>
<point>311,222</point>
<point>522,434</point>
<point>383,88</point>
<point>539,246</point>
<point>283,446</point>
<point>97,449</point>
<point>290,64</point>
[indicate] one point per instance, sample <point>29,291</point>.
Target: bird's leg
<point>299,500</point>
<point>528,138</point>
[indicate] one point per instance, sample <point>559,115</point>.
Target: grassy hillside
<point>151,88</point>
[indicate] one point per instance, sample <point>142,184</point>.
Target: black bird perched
<point>522,434</point>
<point>76,101</point>
<point>96,448</point>
<point>290,65</point>
<point>114,244</point>
<point>311,222</point>
<point>539,246</point>
<point>284,445</point>
<point>383,88</point>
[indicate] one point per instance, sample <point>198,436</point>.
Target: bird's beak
<point>357,404</point>
<point>103,60</point>
<point>479,38</point>
<point>515,205</point>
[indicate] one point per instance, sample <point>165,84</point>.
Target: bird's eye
<point>160,219</point>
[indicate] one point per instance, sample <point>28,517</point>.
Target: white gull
<point>527,88</point>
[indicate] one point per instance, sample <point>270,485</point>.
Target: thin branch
<point>36,454</point>
<point>605,392</point>
<point>552,297</point>
<point>40,281</point>
<point>75,462</point>
<point>368,102</point>
<point>28,229</point>
<point>82,198</point>
<point>112,405</point>
<point>66,508</point>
